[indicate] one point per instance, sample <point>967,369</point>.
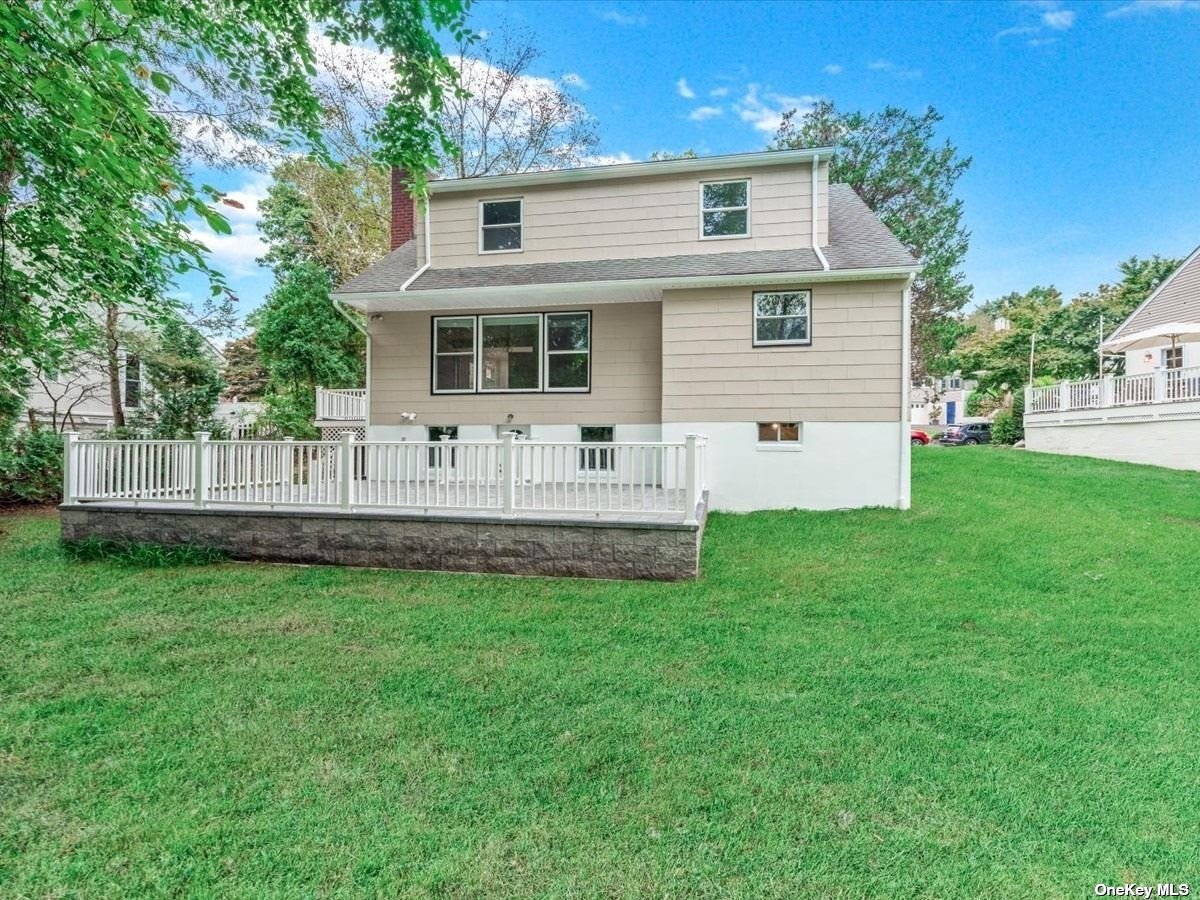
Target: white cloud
<point>609,159</point>
<point>765,111</point>
<point>625,20</point>
<point>719,92</point>
<point>1017,30</point>
<point>684,89</point>
<point>235,253</point>
<point>891,68</point>
<point>1149,7</point>
<point>575,80</point>
<point>1058,19</point>
<point>1041,42</point>
<point>701,113</point>
<point>832,69</point>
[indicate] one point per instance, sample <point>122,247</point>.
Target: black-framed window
<point>440,456</point>
<point>500,225</point>
<point>512,352</point>
<point>782,317</point>
<point>133,381</point>
<point>725,209</point>
<point>598,458</point>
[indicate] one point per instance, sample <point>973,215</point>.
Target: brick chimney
<point>403,209</point>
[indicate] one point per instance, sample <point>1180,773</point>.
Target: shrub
<point>31,468</point>
<point>1008,426</point>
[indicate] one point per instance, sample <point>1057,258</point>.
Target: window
<point>439,456</point>
<point>510,353</point>
<point>1173,358</point>
<point>500,226</point>
<point>725,209</point>
<point>568,351</point>
<point>454,355</point>
<point>779,432</point>
<point>133,381</point>
<point>781,317</point>
<point>596,459</point>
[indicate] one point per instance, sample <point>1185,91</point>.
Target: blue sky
<point>1083,119</point>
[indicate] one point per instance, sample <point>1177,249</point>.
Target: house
<point>566,370</point>
<point>940,401</point>
<point>738,297</point>
<point>1151,413</point>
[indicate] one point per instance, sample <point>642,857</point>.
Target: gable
<point>1175,300</point>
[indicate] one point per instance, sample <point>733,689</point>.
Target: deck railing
<point>664,480</point>
<point>346,405</point>
<point>1159,386</point>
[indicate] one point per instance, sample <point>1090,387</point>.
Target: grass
<point>997,693</point>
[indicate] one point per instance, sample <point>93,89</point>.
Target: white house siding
<point>1140,361</point>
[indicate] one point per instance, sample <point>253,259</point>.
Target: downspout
<point>904,486</point>
<point>816,163</point>
<point>427,209</point>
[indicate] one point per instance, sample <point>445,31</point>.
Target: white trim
<point>433,355</point>
<point>541,324</point>
<point>1154,293</point>
<point>547,352</point>
<point>428,210</point>
<point>759,159</point>
<point>805,342</point>
<point>815,218</point>
<point>520,201</point>
<point>707,209</point>
<point>904,488</point>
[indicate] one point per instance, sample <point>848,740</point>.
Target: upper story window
<point>133,381</point>
<point>725,209</point>
<point>782,317</point>
<point>500,226</point>
<point>1172,358</point>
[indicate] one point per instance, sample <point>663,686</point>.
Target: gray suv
<point>970,433</point>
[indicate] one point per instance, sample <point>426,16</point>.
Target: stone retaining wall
<point>642,550</point>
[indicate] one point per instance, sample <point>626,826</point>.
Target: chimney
<point>403,210</point>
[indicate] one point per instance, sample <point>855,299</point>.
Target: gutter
<point>904,485</point>
<point>815,218</point>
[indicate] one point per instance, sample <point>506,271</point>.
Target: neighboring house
<point>1151,414</point>
<point>941,401</point>
<point>741,297</point>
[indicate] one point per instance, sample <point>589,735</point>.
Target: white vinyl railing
<point>343,404</point>
<point>1159,386</point>
<point>508,476</point>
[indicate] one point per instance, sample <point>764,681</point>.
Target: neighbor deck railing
<point>342,404</point>
<point>1159,386</point>
<point>506,476</point>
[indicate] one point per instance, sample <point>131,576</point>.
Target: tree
<point>894,162</point>
<point>244,374</point>
<point>94,196</point>
<point>185,383</point>
<point>503,119</point>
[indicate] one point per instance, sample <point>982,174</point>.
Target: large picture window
<point>522,352</point>
<point>782,317</point>
<point>510,353</point>
<point>500,226</point>
<point>725,209</point>
<point>454,355</point>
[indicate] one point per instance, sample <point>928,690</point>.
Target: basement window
<point>780,435</point>
<point>598,459</point>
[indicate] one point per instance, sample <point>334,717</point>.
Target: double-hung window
<point>782,317</point>
<point>518,352</point>
<point>500,226</point>
<point>133,381</point>
<point>724,209</point>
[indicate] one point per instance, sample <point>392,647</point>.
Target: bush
<point>1008,426</point>
<point>31,468</point>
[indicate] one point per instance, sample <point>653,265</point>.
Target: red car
<point>919,438</point>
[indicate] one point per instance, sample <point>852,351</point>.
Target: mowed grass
<point>995,694</point>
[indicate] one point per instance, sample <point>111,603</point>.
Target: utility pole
<point>1100,350</point>
<point>1032,348</point>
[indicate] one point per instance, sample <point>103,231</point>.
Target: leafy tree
<point>94,195</point>
<point>185,383</point>
<point>244,374</point>
<point>894,161</point>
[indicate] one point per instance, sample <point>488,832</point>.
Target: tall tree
<point>244,373</point>
<point>895,162</point>
<point>94,195</point>
<point>185,383</point>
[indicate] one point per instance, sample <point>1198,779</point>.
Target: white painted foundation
<point>1158,435</point>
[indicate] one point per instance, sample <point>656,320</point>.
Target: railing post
<point>200,468</point>
<point>1064,396</point>
<point>347,470</point>
<point>320,397</point>
<point>289,463</point>
<point>70,439</point>
<point>1160,385</point>
<point>508,471</point>
<point>1029,398</point>
<point>692,481</point>
<point>1108,391</point>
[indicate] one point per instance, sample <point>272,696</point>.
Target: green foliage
<point>142,556</point>
<point>95,197</point>
<point>244,374</point>
<point>894,161</point>
<point>185,384</point>
<point>1008,425</point>
<point>31,468</point>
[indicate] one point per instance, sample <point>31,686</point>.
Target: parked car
<point>919,438</point>
<point>969,433</point>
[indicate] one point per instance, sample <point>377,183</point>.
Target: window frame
<point>520,224</point>
<point>547,353</point>
<point>704,209</point>
<point>754,317</point>
<point>777,445</point>
<point>436,458</point>
<point>541,326</point>
<point>140,379</point>
<point>1169,355</point>
<point>433,355</point>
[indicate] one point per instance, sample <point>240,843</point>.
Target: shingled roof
<point>857,240</point>
<point>1176,299</point>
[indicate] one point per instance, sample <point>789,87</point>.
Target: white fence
<point>342,405</point>
<point>1159,386</point>
<point>508,476</point>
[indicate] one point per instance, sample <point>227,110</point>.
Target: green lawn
<point>995,694</point>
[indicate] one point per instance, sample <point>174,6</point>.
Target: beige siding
<point>626,375</point>
<point>851,373</point>
<point>629,218</point>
